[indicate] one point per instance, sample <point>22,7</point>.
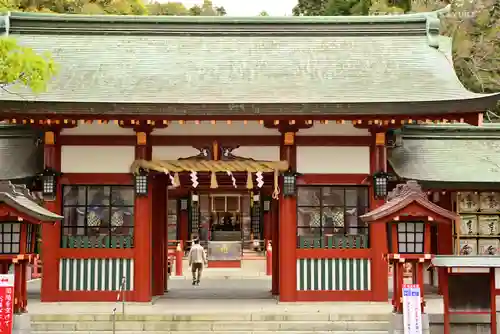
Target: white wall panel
<point>221,128</point>
<point>333,159</point>
<point>270,153</point>
<point>333,129</point>
<point>96,129</point>
<point>173,152</point>
<point>96,159</point>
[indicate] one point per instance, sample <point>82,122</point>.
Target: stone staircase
<point>217,323</point>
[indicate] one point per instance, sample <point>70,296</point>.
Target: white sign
<point>412,311</point>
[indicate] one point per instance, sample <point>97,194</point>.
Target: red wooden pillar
<point>24,288</point>
<point>18,283</point>
<point>446,302</point>
<point>159,226</point>
<point>445,237</point>
<point>493,308</point>
<point>378,232</point>
<point>22,267</point>
<point>51,233</point>
<point>288,227</point>
<point>276,247</point>
<point>143,230</point>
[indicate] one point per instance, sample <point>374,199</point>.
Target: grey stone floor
<point>220,289</point>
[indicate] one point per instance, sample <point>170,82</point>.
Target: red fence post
<point>37,268</point>
<point>178,259</point>
<point>269,259</point>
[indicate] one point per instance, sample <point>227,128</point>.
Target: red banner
<point>6,303</point>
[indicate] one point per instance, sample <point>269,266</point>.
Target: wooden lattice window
<point>98,216</point>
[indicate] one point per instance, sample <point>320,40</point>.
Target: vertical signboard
<point>6,303</point>
<point>412,311</point>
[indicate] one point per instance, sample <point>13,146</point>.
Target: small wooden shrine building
<point>20,219</point>
<point>304,102</point>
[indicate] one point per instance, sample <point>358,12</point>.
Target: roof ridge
<point>409,24</point>
<point>451,131</point>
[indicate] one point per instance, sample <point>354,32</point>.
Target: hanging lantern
<point>380,184</point>
<point>267,204</point>
<point>289,183</point>
<point>183,204</point>
<point>49,182</point>
<point>141,183</point>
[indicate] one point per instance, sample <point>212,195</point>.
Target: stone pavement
<point>213,296</point>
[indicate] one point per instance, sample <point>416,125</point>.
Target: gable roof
<point>339,65</point>
<point>459,154</point>
<point>402,196</point>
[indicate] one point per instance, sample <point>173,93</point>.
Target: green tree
<point>207,9</point>
<point>117,7</point>
<point>169,8</point>
<point>21,65</point>
<point>263,13</point>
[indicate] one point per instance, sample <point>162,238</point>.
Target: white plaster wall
<point>270,153</point>
<point>173,152</point>
<point>96,159</point>
<point>221,128</point>
<point>333,159</point>
<point>333,129</point>
<point>255,152</point>
<point>96,129</point>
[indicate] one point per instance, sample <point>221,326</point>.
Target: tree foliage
<point>474,27</point>
<point>113,7</point>
<point>21,65</point>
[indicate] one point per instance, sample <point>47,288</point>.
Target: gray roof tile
<point>305,67</point>
<point>462,154</point>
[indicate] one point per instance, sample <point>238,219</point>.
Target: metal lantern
<point>380,184</point>
<point>411,237</point>
<point>289,183</point>
<point>141,183</point>
<point>49,183</point>
<point>267,205</point>
<point>183,204</point>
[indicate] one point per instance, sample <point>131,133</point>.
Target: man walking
<point>197,258</point>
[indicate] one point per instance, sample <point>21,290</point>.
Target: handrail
<point>120,295</point>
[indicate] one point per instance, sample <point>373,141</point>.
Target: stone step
<point>204,332</point>
<point>241,316</point>
<point>211,326</point>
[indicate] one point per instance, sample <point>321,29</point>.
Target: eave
<point>374,109</point>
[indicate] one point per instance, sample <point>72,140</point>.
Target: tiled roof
<point>402,196</point>
<point>21,155</point>
<point>448,153</point>
<point>299,60</point>
<point>20,199</point>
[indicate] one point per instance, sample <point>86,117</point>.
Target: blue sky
<point>250,7</point>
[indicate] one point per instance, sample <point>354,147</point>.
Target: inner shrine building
<point>234,130</point>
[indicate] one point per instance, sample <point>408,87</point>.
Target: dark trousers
<point>196,269</point>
